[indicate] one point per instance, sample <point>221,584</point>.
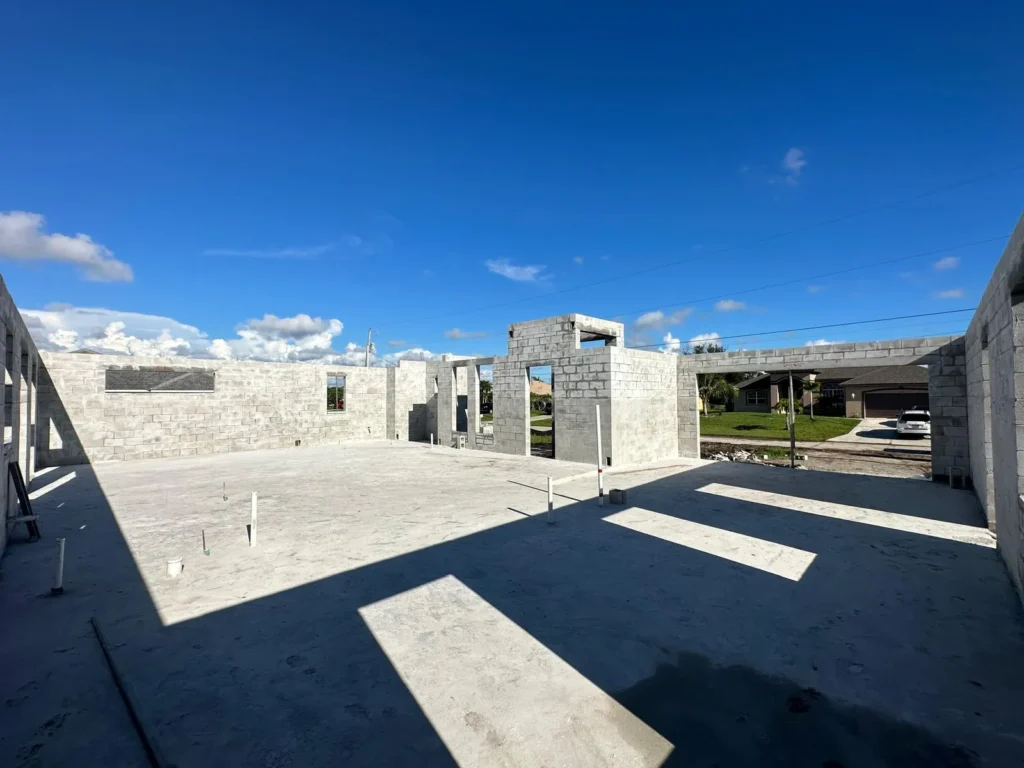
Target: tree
<point>814,387</point>
<point>719,386</point>
<point>714,385</point>
<point>486,391</point>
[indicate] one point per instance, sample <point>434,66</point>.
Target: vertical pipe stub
<point>58,577</point>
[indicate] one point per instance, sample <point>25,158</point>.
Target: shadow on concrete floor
<point>734,665</point>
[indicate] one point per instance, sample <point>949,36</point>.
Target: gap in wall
<point>485,399</point>
<point>541,421</point>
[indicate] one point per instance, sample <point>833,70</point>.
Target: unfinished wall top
<point>565,332</point>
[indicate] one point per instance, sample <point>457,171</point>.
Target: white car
<point>917,422</point>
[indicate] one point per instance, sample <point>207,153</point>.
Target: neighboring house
<point>538,387</point>
<point>857,393</point>
<point>762,393</point>
<point>886,392</point>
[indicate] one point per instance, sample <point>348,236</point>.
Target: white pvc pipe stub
<point>58,579</point>
<point>174,567</point>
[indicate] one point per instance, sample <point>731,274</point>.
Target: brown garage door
<point>881,405</point>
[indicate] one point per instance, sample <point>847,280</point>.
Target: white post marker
<point>600,460</point>
<point>431,439</point>
<point>252,522</point>
<point>58,579</point>
<point>551,501</point>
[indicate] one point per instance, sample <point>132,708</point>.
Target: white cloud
<point>302,338</point>
<point>793,163</point>
<point>822,342</point>
<point>578,260</point>
<point>815,288</point>
<point>947,263</point>
<point>729,305</point>
<point>398,343</point>
<point>297,252</point>
<point>298,327</point>
<point>455,333</point>
<point>671,344</point>
<point>953,293</point>
<point>521,274</point>
<point>22,239</point>
<point>657,320</point>
<point>705,338</point>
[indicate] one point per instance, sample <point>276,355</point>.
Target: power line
<point>822,276</point>
<point>747,244</point>
<point>820,327</point>
<point>386,362</point>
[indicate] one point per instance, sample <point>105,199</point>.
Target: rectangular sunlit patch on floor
<point>40,492</point>
<point>497,696</point>
<point>967,534</point>
<point>777,559</point>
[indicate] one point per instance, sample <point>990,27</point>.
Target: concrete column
<point>688,413</point>
<point>24,412</point>
<point>472,403</point>
<point>773,396</point>
<point>4,483</point>
<point>13,374</point>
<point>33,409</point>
<point>947,395</point>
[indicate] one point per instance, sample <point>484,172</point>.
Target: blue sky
<point>270,180</point>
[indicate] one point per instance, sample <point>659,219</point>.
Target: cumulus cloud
<point>22,238</point>
<point>793,163</point>
<point>947,263</point>
<point>398,343</point>
<point>822,342</point>
<point>705,338</point>
<point>455,333</point>
<point>521,274</point>
<point>729,305</point>
<point>670,345</point>
<point>658,320</point>
<point>301,338</point>
<point>953,293</point>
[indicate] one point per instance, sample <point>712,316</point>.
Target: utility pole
<point>366,357</point>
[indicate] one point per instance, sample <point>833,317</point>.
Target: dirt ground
<point>408,605</point>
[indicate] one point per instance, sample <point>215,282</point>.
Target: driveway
<point>881,433</point>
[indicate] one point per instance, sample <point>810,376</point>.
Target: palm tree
<point>814,387</point>
<point>714,385</point>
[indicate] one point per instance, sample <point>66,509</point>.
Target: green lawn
<point>540,438</point>
<point>487,417</point>
<point>773,426</point>
<point>538,413</point>
<point>541,422</point>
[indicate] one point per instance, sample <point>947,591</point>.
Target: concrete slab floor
<point>408,605</point>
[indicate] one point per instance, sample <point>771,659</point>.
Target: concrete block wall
<point>994,345</point>
<point>644,405</point>
<point>20,358</point>
<point>687,407</point>
<point>582,381</point>
<point>407,401</point>
<point>947,398</point>
<point>254,405</point>
<point>979,423</point>
<point>851,355</point>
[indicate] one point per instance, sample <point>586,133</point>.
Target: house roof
<point>842,374</point>
<point>891,374</point>
<point>761,378</point>
<point>538,387</point>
